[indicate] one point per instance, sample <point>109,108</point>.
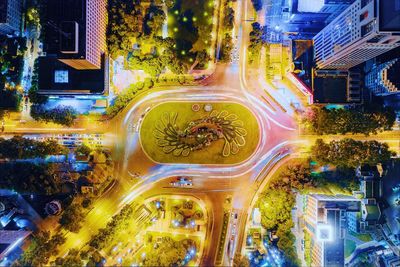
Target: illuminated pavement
<point>212,183</point>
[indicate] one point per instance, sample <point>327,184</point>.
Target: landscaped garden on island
<point>199,133</point>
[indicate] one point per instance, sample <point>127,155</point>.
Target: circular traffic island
<point>174,132</point>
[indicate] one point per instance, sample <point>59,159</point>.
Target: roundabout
<point>174,132</point>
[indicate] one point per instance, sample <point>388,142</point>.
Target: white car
<point>182,182</point>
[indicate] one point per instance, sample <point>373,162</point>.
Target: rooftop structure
<point>325,221</point>
<point>10,16</point>
<point>74,62</point>
<point>308,17</point>
<point>366,29</point>
<point>75,31</point>
<point>58,78</point>
<point>383,79</point>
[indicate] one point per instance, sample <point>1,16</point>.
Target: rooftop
<point>389,16</point>
<point>57,77</point>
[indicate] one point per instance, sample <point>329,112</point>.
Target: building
<point>370,194</point>
<point>308,17</point>
<point>383,79</point>
<point>325,220</point>
<point>10,17</point>
<point>75,31</point>
<point>74,61</point>
<point>337,86</point>
<point>366,29</point>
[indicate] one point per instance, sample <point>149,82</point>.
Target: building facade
<point>325,221</point>
<point>366,29</point>
<point>10,16</point>
<point>383,79</point>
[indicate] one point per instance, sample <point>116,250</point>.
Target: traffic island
<point>215,133</point>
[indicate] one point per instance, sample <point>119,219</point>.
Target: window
<point>61,76</point>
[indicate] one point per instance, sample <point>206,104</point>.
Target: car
<point>182,182</point>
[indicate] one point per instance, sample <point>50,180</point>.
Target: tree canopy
<point>71,218</point>
<point>350,153</point>
<point>41,248</point>
<point>26,177</point>
<point>168,252</point>
<point>25,148</point>
<point>64,115</point>
<point>342,121</point>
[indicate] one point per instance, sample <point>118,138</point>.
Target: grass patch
<point>221,245</point>
<point>211,154</point>
<point>349,247</point>
<point>362,237</point>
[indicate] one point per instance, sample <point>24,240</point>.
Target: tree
<point>41,248</point>
<point>342,121</point>
<point>229,17</point>
<point>154,20</point>
<point>72,259</point>
<point>83,150</point>
<point>33,95</point>
<point>169,252</point>
<point>350,153</point>
<point>25,148</point>
<point>256,41</point>
<point>240,261</point>
<point>72,217</point>
<point>275,207</point>
<point>226,48</point>
<point>296,176</point>
<point>64,115</point>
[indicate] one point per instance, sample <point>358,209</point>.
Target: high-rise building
<point>308,17</point>
<point>75,31</point>
<point>74,61</point>
<point>366,29</point>
<point>10,16</point>
<point>383,79</point>
<point>326,222</point>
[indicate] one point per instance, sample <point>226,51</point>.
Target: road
<point>238,82</point>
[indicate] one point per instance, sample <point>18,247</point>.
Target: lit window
<point>61,76</point>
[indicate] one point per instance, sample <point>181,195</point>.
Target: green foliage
<point>83,150</point>
<point>123,99</point>
<point>118,222</point>
<point>124,25</point>
<point>275,207</point>
<point>350,153</point>
<point>168,252</point>
<point>11,60</point>
<point>240,261</point>
<point>294,177</point>
<point>24,148</point>
<point>276,204</point>
<point>226,48</point>
<point>33,95</point>
<point>64,115</point>
<point>86,203</point>
<point>10,99</point>
<point>191,27</point>
<point>342,121</point>
<point>154,20</point>
<point>40,249</point>
<point>256,42</point>
<point>228,18</point>
<point>72,217</point>
<point>26,177</point>
<point>72,259</point>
